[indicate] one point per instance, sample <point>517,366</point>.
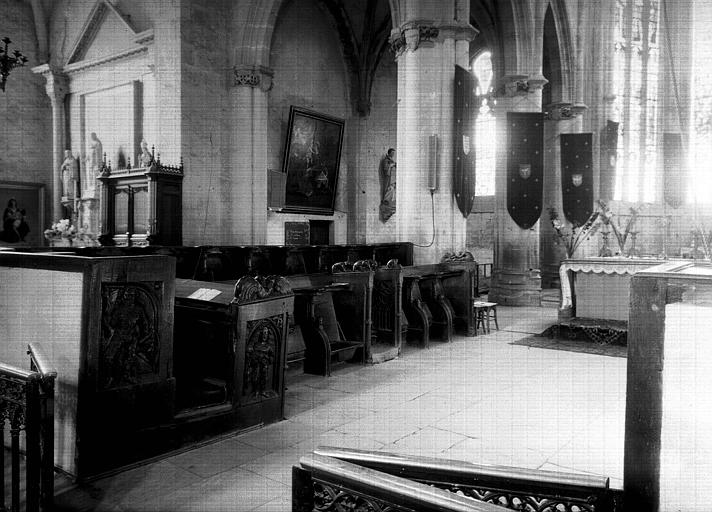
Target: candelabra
<point>8,62</point>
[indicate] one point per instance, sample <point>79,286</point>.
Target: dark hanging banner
<point>609,155</point>
<point>577,176</point>
<point>674,169</point>
<point>525,166</point>
<point>464,150</point>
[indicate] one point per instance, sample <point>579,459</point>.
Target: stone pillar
<point>559,118</point>
<point>516,276</point>
<point>248,154</point>
<point>56,87</point>
<point>427,53</point>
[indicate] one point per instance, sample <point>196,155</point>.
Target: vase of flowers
<point>571,238</point>
<point>61,233</point>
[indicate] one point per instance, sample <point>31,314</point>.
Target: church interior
<point>383,255</point>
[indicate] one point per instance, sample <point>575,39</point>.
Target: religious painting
<point>525,167</point>
<point>311,161</point>
<point>577,176</point>
<point>23,214</point>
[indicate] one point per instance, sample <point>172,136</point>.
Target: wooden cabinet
<point>141,206</point>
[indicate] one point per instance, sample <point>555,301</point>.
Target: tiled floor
<point>502,398</point>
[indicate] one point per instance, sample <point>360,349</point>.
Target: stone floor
<point>506,398</point>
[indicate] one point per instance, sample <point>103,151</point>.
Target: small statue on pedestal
<point>96,155</point>
<point>145,159</point>
<point>70,173</point>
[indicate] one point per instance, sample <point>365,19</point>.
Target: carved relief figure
<point>129,345</point>
<point>96,154</point>
<point>70,174</point>
<point>259,358</point>
<point>387,175</point>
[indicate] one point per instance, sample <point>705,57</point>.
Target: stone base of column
<point>550,276</point>
<point>516,287</point>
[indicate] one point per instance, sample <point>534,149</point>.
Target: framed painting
<point>23,214</point>
<point>312,154</point>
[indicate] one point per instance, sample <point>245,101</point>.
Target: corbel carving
<point>521,85</point>
<point>254,76</point>
<point>562,111</point>
<point>413,35</point>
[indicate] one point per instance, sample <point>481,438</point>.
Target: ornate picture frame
<point>25,226</point>
<point>312,156</point>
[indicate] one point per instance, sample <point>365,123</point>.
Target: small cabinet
<point>142,206</point>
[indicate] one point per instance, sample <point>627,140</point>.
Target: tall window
<point>636,88</point>
<point>701,137</point>
<point>484,128</point>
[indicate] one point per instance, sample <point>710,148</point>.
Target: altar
<point>598,288</point>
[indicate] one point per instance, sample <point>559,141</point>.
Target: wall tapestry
<point>577,176</point>
<point>525,166</point>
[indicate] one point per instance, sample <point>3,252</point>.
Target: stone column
<point>248,154</point>
<point>559,118</point>
<point>56,87</point>
<point>516,276</point>
<point>427,53</point>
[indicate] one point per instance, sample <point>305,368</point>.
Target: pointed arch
<point>565,46</point>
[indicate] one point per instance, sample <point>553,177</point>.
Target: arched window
<point>635,80</point>
<point>485,127</point>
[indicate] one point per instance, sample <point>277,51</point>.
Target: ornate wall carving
<point>260,378</point>
<point>129,350</point>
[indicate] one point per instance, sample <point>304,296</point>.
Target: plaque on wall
<point>296,233</point>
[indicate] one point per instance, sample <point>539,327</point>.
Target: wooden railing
<point>333,477</point>
<point>27,404</point>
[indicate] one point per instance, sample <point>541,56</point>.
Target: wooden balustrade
<point>333,476</point>
<point>27,405</point>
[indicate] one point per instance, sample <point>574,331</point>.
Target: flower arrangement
<point>572,238</point>
<point>620,234</point>
<point>61,229</point>
<point>67,232</point>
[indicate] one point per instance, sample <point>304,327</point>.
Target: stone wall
<point>205,128</point>
<point>309,72</point>
<point>26,127</point>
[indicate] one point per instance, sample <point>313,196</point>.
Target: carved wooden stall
<point>229,350</point>
<point>106,324</point>
<point>437,300</point>
<point>141,205</point>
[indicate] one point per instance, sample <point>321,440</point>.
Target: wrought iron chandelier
<point>9,62</point>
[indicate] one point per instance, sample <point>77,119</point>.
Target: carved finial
<point>153,151</point>
<point>181,163</point>
<point>128,163</point>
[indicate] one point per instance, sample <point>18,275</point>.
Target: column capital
<point>562,111</point>
<point>521,85</point>
<point>253,76</point>
<point>415,34</point>
<point>57,83</point>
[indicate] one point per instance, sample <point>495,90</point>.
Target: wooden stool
<point>483,311</point>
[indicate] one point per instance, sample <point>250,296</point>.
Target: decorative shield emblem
<point>525,170</point>
<point>466,144</point>
<point>577,176</point>
<point>525,140</point>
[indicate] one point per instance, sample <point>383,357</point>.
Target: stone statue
<point>96,154</point>
<point>387,175</point>
<point>70,173</point>
<point>145,159</point>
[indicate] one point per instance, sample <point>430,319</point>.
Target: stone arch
<point>497,28</point>
<point>556,35</point>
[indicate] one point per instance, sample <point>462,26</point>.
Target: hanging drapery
<point>675,175</point>
<point>464,144</point>
<point>577,176</point>
<point>525,167</point>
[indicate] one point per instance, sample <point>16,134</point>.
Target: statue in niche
<point>145,159</point>
<point>70,174</point>
<point>96,154</point>
<point>387,175</point>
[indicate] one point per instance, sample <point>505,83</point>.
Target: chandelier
<point>9,62</point>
